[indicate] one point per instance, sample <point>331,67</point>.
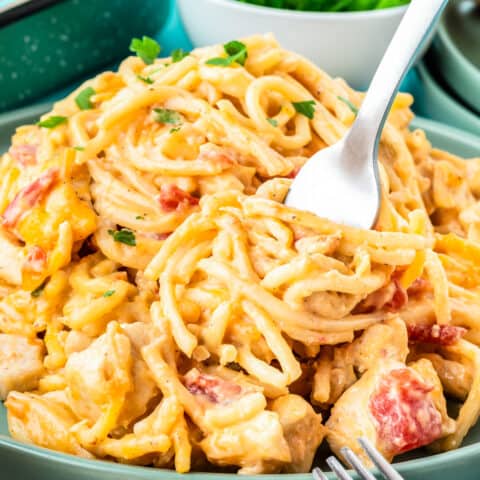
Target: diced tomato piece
<point>28,197</point>
<point>405,416</point>
<point>215,389</point>
<point>419,286</point>
<point>36,260</point>
<point>443,335</point>
<point>294,172</point>
<point>156,236</point>
<point>24,154</point>
<point>399,298</point>
<point>219,156</point>
<point>163,236</point>
<point>173,198</point>
<point>392,297</point>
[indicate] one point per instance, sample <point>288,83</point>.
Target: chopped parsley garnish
<point>174,130</point>
<point>147,80</point>
<point>83,99</point>
<point>39,290</point>
<point>146,48</point>
<point>305,108</point>
<point>234,366</point>
<point>272,122</point>
<point>108,293</point>
<point>164,115</point>
<point>236,51</point>
<point>139,217</point>
<point>79,149</point>
<point>125,236</point>
<point>52,122</point>
<point>349,104</point>
<point>179,54</point>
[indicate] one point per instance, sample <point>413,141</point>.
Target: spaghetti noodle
<point>159,305</point>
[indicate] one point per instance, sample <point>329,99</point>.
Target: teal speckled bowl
<point>26,462</point>
<point>66,40</point>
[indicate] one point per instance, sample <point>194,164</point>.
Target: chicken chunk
<point>144,386</point>
<point>100,373</point>
<point>398,408</point>
<point>11,260</point>
<point>42,421</point>
<point>338,370</point>
<point>21,364</point>
<point>386,340</point>
<point>303,430</point>
<point>111,368</point>
<point>257,445</point>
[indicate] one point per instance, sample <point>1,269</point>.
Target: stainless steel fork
<point>375,456</point>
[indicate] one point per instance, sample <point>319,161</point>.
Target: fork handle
<point>415,27</point>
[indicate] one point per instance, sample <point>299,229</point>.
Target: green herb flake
<point>234,366</point>
<point>125,236</point>
<point>139,217</point>
<point>236,51</point>
<point>220,62</point>
<point>83,99</point>
<point>146,80</point>
<point>175,130</point>
<point>164,115</point>
<point>79,149</point>
<point>52,122</point>
<point>349,104</point>
<point>146,48</point>
<point>108,293</point>
<point>39,290</point>
<point>179,54</point>
<point>305,108</point>
<point>272,122</point>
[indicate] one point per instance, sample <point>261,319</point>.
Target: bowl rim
<point>455,107</point>
<point>458,71</point>
<point>284,13</point>
<point>467,66</point>
<point>462,454</point>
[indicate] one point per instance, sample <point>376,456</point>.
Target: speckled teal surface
<point>170,35</point>
<point>54,46</point>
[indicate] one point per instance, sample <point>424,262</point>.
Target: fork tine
<point>377,458</point>
<point>318,474</point>
<point>356,463</point>
<point>337,468</point>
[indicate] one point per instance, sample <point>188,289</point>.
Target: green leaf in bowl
<point>328,5</point>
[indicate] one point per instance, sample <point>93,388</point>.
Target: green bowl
<point>456,50</point>
<point>26,462</point>
<point>433,101</point>
<point>64,41</point>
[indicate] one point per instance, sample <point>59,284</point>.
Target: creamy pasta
<point>160,306</point>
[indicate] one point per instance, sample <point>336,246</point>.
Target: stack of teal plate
<point>446,84</point>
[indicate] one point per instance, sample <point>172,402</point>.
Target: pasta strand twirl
<point>161,306</point>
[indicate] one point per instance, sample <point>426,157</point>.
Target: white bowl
<point>346,44</point>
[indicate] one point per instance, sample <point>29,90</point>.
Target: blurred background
<point>48,47</point>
